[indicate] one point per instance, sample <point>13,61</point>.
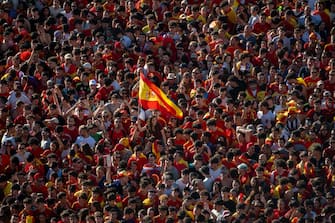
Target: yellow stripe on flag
<point>152,97</point>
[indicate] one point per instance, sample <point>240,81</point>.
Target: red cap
<point>25,55</point>
<point>117,44</point>
<point>249,145</point>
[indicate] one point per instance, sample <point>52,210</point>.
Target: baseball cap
<point>92,82</point>
<point>87,65</point>
<point>171,76</point>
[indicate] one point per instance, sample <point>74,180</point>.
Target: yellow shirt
<point>202,19</point>
<point>235,5</point>
<point>260,95</point>
<point>7,188</point>
<point>231,14</point>
<point>78,193</point>
<point>293,22</point>
<point>146,29</point>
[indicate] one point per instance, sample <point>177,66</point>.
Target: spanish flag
<point>152,97</point>
<point>154,149</point>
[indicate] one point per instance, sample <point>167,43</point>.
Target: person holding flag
<point>152,97</point>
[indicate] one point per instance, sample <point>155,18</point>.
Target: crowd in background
<point>255,81</point>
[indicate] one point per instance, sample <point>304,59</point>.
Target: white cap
<point>87,65</point>
<point>319,82</point>
<point>54,120</point>
<point>326,93</point>
<point>171,76</point>
<point>242,166</point>
<point>68,56</point>
<point>93,82</point>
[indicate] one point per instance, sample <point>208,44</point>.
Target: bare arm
<point>55,97</point>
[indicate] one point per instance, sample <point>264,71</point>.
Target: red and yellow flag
<point>154,149</point>
<point>152,97</point>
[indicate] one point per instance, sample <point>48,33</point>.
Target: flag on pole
<point>155,150</point>
<point>152,97</point>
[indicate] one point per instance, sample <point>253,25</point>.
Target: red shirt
<point>242,147</point>
<point>159,219</point>
<point>20,120</point>
<point>72,133</point>
<point>40,189</point>
<point>103,93</point>
<point>81,121</point>
<point>174,202</point>
<point>228,164</point>
<point>329,153</point>
<point>311,83</point>
<point>324,16</point>
<point>116,135</point>
<point>330,47</point>
<point>141,160</point>
<point>36,152</point>
<point>141,194</point>
<point>231,49</point>
<point>329,86</point>
<point>244,179</point>
<point>180,165</point>
<point>261,27</point>
<point>272,57</point>
<point>220,124</point>
<point>230,136</point>
<point>5,160</point>
<point>76,206</point>
<point>71,70</point>
<point>216,134</point>
<point>179,142</point>
<point>47,212</point>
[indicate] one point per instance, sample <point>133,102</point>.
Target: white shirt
<point>116,85</point>
<point>208,183</point>
<point>181,185</point>
<point>217,213</point>
<point>12,99</point>
<point>266,118</point>
<point>253,20</point>
<point>215,173</point>
<point>286,41</point>
<point>88,140</point>
<point>68,15</point>
<point>4,139</point>
<point>55,11</point>
<point>22,157</point>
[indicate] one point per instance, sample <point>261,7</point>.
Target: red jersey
<point>261,27</point>
<point>216,134</point>
<point>72,133</point>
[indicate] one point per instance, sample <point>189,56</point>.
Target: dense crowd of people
<point>255,81</point>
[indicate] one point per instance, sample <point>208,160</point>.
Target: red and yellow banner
<point>152,97</point>
<point>154,148</point>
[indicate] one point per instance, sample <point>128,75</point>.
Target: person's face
<point>262,159</point>
<point>73,219</point>
<point>71,121</point>
<point>197,163</point>
<point>98,218</point>
<point>117,122</point>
